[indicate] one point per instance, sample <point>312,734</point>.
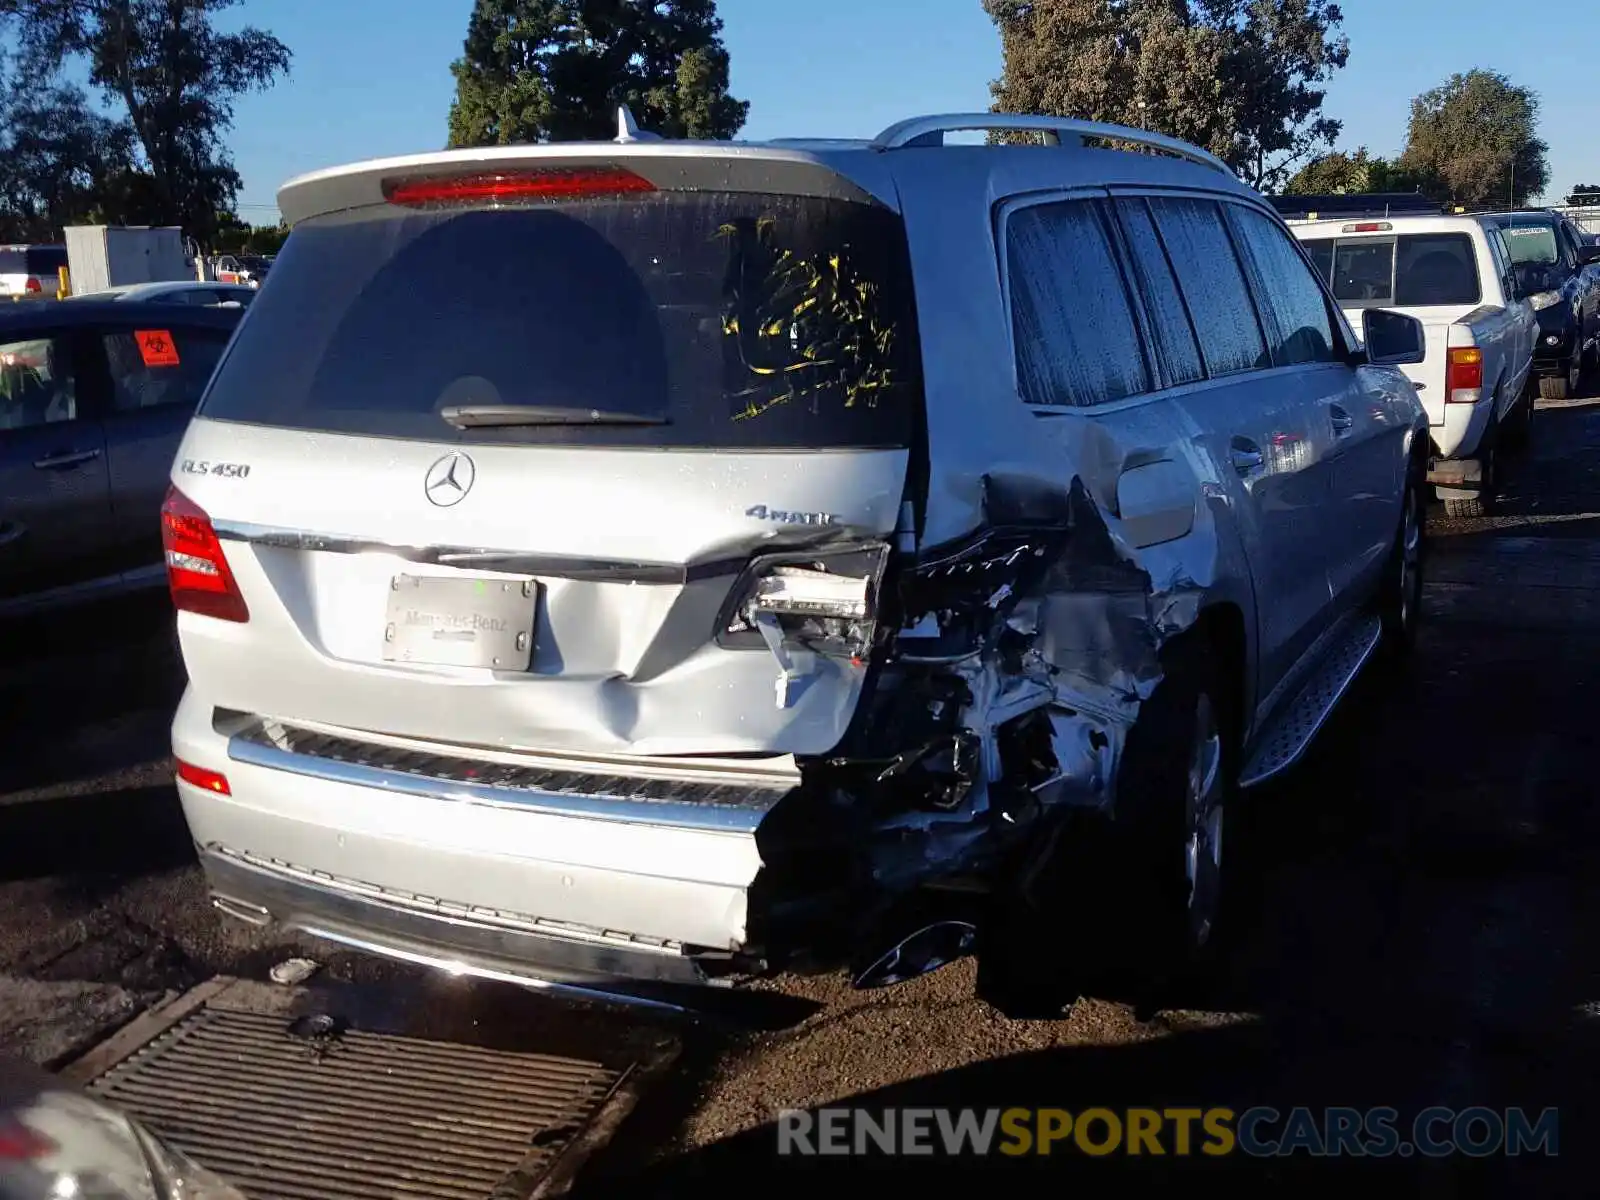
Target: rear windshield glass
<point>32,260</point>
<point>731,320</point>
<point>1413,270</point>
<point>1532,244</point>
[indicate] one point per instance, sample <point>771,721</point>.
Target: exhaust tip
<point>927,949</point>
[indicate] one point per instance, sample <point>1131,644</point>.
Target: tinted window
<point>1435,268</point>
<point>1293,302</point>
<point>1363,272</point>
<point>1077,340</point>
<point>1321,252</point>
<point>1213,284</point>
<point>1174,333</point>
<point>157,364</point>
<point>32,260</point>
<point>731,320</point>
<point>36,383</point>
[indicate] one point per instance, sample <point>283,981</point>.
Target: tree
<point>1340,173</point>
<point>1237,77</point>
<point>1474,140</point>
<point>174,74</point>
<point>55,155</point>
<point>555,70</point>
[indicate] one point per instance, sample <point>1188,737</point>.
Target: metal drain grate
<point>353,1115</point>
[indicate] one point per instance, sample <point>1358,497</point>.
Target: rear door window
<point>1077,339</point>
<point>1292,300</point>
<point>1363,272</point>
<point>1435,269</point>
<point>1173,330</point>
<point>1213,283</point>
<point>161,363</point>
<point>720,320</point>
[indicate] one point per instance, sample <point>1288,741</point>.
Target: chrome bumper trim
<point>452,945</point>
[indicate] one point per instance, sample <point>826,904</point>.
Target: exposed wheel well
<point>1221,629</point>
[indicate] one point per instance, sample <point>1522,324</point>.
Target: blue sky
<point>372,77</point>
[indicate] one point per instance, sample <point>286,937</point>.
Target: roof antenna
<point>628,129</point>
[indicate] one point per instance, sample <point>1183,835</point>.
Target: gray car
<point>94,398</point>
<point>677,561</point>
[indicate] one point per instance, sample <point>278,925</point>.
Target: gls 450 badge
<point>762,513</point>
<point>199,466</point>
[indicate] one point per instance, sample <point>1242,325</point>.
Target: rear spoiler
<point>847,174</point>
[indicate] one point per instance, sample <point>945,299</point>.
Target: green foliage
<point>1474,141</point>
<point>555,70</point>
<point>56,154</point>
<point>174,75</point>
<point>1238,77</point>
<point>1340,173</point>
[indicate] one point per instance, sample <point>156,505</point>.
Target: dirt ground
<point>1424,929</point>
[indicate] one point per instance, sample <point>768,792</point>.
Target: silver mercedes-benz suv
<point>648,562</point>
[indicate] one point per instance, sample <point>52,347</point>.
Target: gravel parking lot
<point>1426,932</point>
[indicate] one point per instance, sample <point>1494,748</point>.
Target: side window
<point>156,364</point>
<point>1294,304</point>
<point>1077,340</point>
<point>1213,283</point>
<point>37,383</point>
<point>1174,331</point>
<point>1321,252</point>
<point>1502,262</point>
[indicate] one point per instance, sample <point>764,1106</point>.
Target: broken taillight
<point>822,602</point>
<point>197,570</point>
<point>509,187</point>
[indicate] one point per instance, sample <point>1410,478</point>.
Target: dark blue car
<point>94,399</point>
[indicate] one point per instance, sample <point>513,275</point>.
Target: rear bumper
<point>264,894</point>
<point>491,880</point>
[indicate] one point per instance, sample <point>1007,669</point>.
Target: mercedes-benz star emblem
<point>449,480</point>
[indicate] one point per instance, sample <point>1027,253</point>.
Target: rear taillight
<point>197,571</point>
<point>1368,227</point>
<point>205,780</point>
<point>824,602</point>
<point>510,187</point>
<point>18,1143</point>
<point>33,285</point>
<point>1463,375</point>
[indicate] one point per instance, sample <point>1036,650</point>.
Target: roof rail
<point>930,131</point>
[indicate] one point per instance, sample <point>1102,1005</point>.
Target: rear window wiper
<point>491,416</point>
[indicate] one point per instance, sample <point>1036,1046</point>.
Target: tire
<point>1400,600</point>
<point>1137,897</point>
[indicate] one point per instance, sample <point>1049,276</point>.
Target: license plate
<point>460,622</point>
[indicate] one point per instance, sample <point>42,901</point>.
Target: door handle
<point>10,532</point>
<point>1342,421</point>
<point>1246,456</point>
<point>69,458</point>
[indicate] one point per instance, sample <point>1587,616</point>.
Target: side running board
<point>1298,722</point>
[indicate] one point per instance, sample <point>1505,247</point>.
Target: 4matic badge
<point>784,517</point>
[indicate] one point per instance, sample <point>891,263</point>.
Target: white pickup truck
<point>1453,274</point>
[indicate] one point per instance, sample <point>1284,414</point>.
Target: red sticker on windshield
<point>157,348</point>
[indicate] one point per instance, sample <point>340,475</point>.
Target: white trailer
<point>104,256</point>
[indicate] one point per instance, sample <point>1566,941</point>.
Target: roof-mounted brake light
<point>1369,227</point>
<point>510,187</point>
